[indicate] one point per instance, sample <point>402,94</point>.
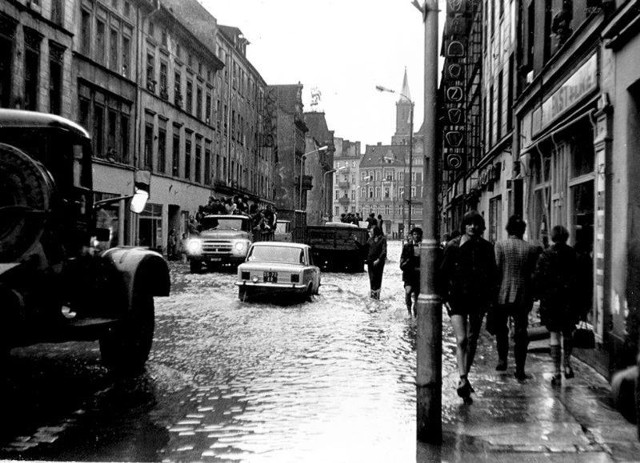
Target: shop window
<point>582,157</point>
<point>581,236</point>
<point>150,227</point>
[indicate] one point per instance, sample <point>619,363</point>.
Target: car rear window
<point>278,254</point>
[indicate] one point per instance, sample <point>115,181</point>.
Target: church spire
<point>405,93</point>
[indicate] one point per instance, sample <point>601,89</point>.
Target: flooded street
<point>326,380</point>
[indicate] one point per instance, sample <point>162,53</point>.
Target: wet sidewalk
<point>532,421</point>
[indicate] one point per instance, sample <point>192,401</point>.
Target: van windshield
<point>225,223</point>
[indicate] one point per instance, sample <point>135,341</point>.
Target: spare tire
<point>26,189</point>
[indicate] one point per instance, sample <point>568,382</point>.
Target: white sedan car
<point>278,267</point>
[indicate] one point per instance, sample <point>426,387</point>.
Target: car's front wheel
<point>125,347</point>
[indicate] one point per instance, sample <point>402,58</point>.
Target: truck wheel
<point>25,194</point>
<point>195,266</point>
<point>125,347</point>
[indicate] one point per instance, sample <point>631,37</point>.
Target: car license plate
<point>216,259</point>
<point>270,277</point>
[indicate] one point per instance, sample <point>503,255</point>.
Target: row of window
<point>386,209</point>
<point>33,61</point>
<point>106,37</point>
<point>384,193</point>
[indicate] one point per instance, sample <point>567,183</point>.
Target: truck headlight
<point>194,246</point>
<point>241,246</point>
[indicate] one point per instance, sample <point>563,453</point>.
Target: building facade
<point>36,41</point>
<point>553,139</point>
<point>345,180</point>
<point>319,144</point>
<point>160,86</point>
<point>382,186</point>
<point>284,106</point>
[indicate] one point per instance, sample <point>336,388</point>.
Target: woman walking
<point>555,284</point>
<point>469,274</point>
<point>376,256</point>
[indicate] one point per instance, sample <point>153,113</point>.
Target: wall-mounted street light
<point>322,148</point>
<point>324,190</point>
<point>407,191</point>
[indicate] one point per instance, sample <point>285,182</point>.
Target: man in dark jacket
<point>468,273</point>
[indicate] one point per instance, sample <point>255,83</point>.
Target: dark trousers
<point>520,315</point>
<point>375,275</point>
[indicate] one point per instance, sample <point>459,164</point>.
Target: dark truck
<point>333,247</point>
<point>56,285</point>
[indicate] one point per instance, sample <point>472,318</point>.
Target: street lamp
<point>322,148</point>
<point>380,88</point>
<point>324,189</point>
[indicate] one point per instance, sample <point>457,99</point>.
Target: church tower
<point>403,114</point>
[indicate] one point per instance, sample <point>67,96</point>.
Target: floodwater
<point>327,380</point>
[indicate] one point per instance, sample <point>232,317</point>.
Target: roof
<point>384,156</point>
<point>280,244</point>
<point>318,129</point>
<point>405,94</point>
<point>21,118</point>
<point>196,19</point>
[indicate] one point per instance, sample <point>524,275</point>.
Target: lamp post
<point>429,305</point>
<point>406,201</point>
<point>322,148</point>
<point>324,190</point>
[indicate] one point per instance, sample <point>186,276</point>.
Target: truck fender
<point>141,270</point>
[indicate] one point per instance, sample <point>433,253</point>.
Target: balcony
<point>344,201</point>
<point>344,185</point>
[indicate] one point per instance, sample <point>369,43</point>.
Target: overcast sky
<point>343,48</point>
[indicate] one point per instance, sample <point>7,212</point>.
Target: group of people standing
<point>502,282</point>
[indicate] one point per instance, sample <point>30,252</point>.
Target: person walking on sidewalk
<point>468,276</point>
<point>376,248</point>
<point>555,285</point>
<point>410,266</point>
<point>516,262</point>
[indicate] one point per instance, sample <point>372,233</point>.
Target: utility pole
<point>429,306</point>
<point>410,167</point>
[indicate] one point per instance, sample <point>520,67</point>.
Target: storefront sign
<point>582,82</point>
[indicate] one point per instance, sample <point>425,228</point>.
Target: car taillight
<point>245,275</point>
<point>295,278</point>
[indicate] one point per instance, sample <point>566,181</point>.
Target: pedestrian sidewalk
<point>531,421</point>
